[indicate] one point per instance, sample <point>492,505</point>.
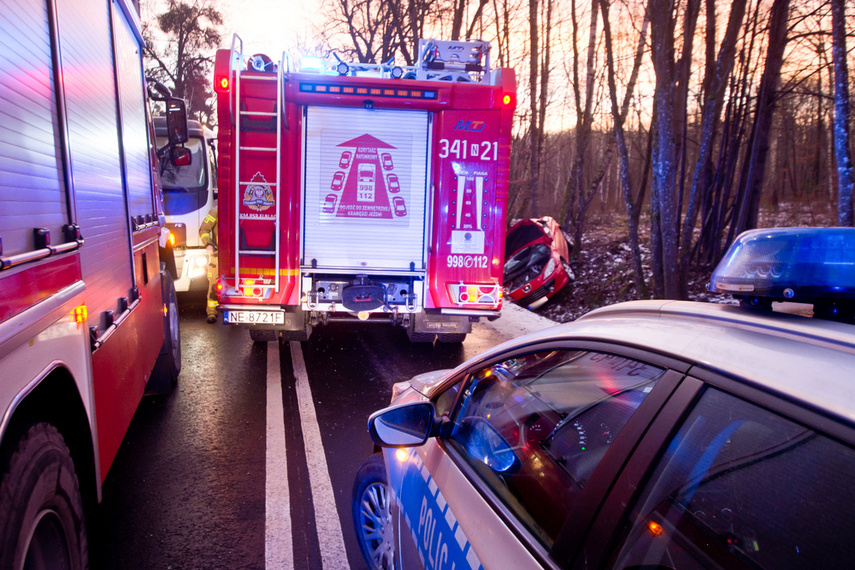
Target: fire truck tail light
<point>475,293</point>
<point>507,99</point>
<point>79,314</point>
<point>221,83</point>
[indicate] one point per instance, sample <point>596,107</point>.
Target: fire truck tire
<point>263,335</point>
<point>41,512</point>
<point>421,337</point>
<point>164,377</point>
<point>451,337</point>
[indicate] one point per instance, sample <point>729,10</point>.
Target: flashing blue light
<point>794,264</point>
<point>309,64</point>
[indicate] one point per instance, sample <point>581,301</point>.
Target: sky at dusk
<point>265,26</point>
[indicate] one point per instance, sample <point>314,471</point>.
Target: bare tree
<point>632,202</point>
<point>841,115</point>
<point>184,60</point>
<point>578,195</point>
<point>669,111</point>
<point>715,85</point>
<point>754,166</point>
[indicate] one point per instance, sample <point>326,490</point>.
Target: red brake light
<point>221,83</point>
<point>507,99</point>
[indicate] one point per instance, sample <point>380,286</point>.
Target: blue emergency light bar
<point>804,265</point>
<point>367,91</point>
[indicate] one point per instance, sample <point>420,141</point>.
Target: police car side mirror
<point>406,425</point>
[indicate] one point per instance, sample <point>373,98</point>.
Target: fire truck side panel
<point>469,221</point>
<point>89,316</point>
<point>30,175</point>
<point>365,189</point>
<point>93,138</point>
<point>122,364</point>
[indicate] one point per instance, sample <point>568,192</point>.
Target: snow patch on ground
<point>516,321</point>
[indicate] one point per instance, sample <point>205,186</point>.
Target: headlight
<point>550,268</point>
<point>197,265</point>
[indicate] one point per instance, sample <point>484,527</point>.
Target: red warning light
<point>221,83</point>
<point>506,99</point>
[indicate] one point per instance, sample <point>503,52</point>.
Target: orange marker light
<point>171,238</point>
<point>654,528</point>
<point>80,314</point>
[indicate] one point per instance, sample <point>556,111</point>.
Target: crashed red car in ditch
<point>536,268</point>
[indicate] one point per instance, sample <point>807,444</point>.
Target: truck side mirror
<point>176,120</point>
<point>180,156</point>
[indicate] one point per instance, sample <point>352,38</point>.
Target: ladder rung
<point>258,77</point>
<point>258,148</point>
<point>255,252</point>
<point>254,217</point>
<point>258,113</point>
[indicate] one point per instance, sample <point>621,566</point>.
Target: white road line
<point>333,554</point>
<point>278,548</point>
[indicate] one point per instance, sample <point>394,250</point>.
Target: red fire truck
<point>363,191</point>
<point>88,317</point>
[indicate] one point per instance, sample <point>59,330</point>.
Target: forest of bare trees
<point>678,119</point>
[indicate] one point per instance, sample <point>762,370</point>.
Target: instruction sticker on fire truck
<point>368,177</point>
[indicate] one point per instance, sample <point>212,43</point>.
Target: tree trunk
<point>715,82</point>
<point>841,115</point>
<point>534,131</point>
<point>663,197</point>
<point>633,205</point>
<point>754,167</point>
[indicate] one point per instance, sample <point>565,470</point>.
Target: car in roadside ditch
<point>649,434</point>
<point>536,262</point>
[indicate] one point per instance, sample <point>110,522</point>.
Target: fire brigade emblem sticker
<point>258,196</point>
<point>365,182</point>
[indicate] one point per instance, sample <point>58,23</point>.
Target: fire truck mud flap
<point>426,327</point>
<point>164,377</point>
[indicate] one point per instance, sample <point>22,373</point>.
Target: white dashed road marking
<point>278,548</point>
<point>333,553</point>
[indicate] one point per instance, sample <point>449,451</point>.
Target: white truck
<point>189,192</point>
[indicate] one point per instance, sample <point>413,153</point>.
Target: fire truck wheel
<point>168,365</point>
<point>41,512</point>
<point>263,335</point>
<point>451,337</point>
<point>421,337</point>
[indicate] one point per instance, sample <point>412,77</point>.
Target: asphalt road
<point>250,462</point>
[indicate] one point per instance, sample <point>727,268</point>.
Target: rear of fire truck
<point>363,192</point>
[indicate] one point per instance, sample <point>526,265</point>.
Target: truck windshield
<point>185,188</point>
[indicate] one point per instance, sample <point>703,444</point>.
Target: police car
<point>650,434</point>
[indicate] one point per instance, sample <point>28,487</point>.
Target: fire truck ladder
<point>249,76</point>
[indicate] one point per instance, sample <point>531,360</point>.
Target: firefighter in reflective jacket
<point>208,236</point>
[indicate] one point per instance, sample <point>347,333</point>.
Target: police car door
<point>529,430</point>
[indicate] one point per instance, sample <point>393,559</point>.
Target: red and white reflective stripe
<point>23,289</point>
